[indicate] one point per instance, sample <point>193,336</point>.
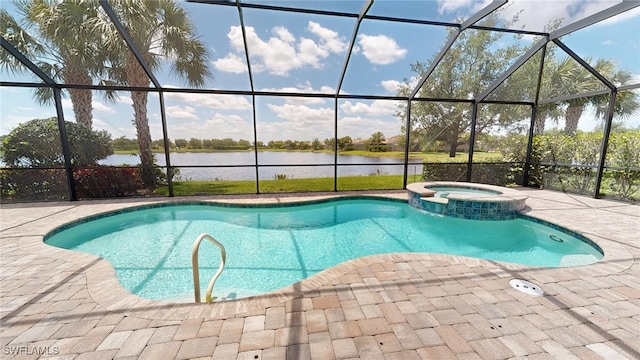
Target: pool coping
<point>105,289</point>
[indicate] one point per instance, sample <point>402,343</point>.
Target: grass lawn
<point>382,182</point>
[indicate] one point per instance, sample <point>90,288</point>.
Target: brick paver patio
<point>60,304</point>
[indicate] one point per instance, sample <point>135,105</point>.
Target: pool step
<point>438,200</point>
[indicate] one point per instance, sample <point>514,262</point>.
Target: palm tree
<point>627,102</point>
<point>161,31</point>
<point>59,37</point>
<point>569,78</point>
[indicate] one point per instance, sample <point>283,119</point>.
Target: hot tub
<point>467,200</point>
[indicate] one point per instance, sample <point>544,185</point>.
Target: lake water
<point>272,164</point>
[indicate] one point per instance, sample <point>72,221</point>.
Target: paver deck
<point>60,304</point>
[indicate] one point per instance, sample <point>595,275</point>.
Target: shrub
<point>107,182</point>
<point>36,143</point>
<point>33,185</point>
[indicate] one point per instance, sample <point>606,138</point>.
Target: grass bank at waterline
<point>382,182</point>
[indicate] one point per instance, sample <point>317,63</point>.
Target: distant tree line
<point>375,144</point>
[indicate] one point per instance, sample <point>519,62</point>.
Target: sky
<point>293,52</point>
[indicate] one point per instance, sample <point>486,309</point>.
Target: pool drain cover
<point>526,287</point>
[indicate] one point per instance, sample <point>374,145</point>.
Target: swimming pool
<point>272,247</point>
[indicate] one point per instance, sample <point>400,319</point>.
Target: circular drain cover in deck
<point>526,287</point>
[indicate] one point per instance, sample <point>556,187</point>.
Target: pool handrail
<point>194,264</point>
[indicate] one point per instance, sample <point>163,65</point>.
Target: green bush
<point>444,171</point>
<point>107,182</point>
<point>51,184</point>
<point>498,173</point>
<point>36,143</point>
<point>570,163</point>
<point>33,185</point>
<point>622,180</point>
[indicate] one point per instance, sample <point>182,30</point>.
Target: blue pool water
<point>269,248</point>
<point>444,191</point>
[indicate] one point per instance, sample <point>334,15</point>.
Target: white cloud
<point>304,88</point>
<point>381,49</point>
<point>116,132</point>
<point>284,34</point>
<point>303,114</point>
<point>359,127</point>
<point>311,53</point>
<point>447,6</point>
<point>535,15</point>
<point>218,126</point>
<point>375,108</point>
<point>124,100</point>
<point>214,101</point>
<point>100,107</point>
<point>281,53</point>
<point>96,106</point>
<point>390,85</point>
<point>231,63</point>
<point>633,13</point>
<point>532,16</point>
<point>330,39</point>
<point>181,112</point>
<point>299,122</point>
<point>290,130</point>
<point>276,54</point>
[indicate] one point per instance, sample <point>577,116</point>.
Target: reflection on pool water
<point>272,247</point>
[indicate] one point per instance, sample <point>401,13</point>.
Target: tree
<point>194,143</point>
<point>316,144</point>
<point>567,77</point>
<point>36,143</point>
<point>345,143</point>
<point>376,142</point>
<point>59,38</point>
<point>475,61</point>
<point>122,143</point>
<point>162,32</point>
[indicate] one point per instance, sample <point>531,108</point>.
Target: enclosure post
<point>534,114</point>
<point>605,141</point>
<point>527,158</point>
<point>66,151</point>
<point>335,145</point>
<point>165,136</point>
<point>253,94</point>
<point>472,139</point>
<point>407,133</point>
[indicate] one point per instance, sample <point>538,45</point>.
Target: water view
<point>272,164</point>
